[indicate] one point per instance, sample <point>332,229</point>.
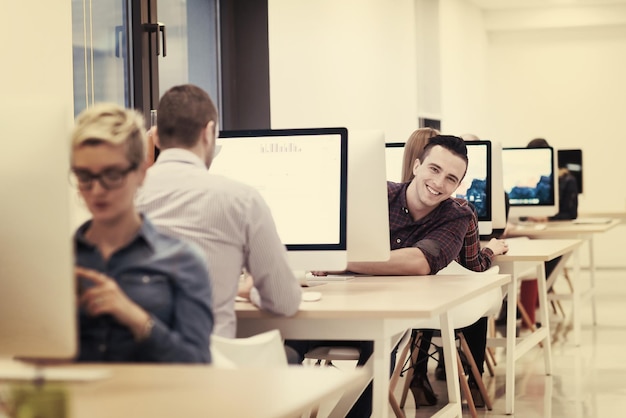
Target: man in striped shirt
<point>229,220</point>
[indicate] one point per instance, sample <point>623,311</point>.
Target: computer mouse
<point>311,296</point>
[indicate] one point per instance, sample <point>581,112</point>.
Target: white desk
<point>376,309</point>
<point>568,229</point>
<point>155,391</point>
<point>617,215</point>
<point>523,252</point>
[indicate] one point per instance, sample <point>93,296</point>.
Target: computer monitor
<point>529,177</point>
<point>303,176</point>
<point>368,207</point>
<point>572,159</point>
<point>476,187</point>
<point>394,154</point>
<point>498,199</point>
<point>37,286</point>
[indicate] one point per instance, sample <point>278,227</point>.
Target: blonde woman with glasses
<point>143,296</point>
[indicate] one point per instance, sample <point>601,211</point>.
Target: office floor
<point>588,381</point>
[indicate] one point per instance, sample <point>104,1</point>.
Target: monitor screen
<point>38,291</point>
<point>530,181</point>
<point>572,159</point>
<point>476,185</point>
<point>302,174</point>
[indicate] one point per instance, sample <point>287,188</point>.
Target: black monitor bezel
<point>489,216</point>
<point>553,170</point>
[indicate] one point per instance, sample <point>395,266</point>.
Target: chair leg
<point>409,374</point>
<point>526,319</point>
<point>490,355</point>
<point>490,361</point>
<point>557,303</point>
<point>398,412</point>
<point>477,377</point>
<point>465,389</point>
<point>569,281</point>
<point>397,409</point>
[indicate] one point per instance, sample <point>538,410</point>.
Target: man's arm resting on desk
<point>403,262</point>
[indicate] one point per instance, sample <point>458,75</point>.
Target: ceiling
<point>519,4</point>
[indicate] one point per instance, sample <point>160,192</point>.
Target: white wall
<point>566,83</point>
<point>343,63</point>
<point>464,68</point>
<point>568,86</point>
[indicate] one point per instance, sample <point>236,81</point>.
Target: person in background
<point>229,220</point>
<point>568,190</point>
<point>413,147</point>
<point>568,210</point>
<point>143,296</point>
<point>472,257</point>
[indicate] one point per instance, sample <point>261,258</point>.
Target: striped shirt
<point>439,235</point>
<point>232,224</point>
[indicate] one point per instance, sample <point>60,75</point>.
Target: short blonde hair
<point>112,124</point>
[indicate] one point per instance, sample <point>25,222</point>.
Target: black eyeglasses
<point>111,178</point>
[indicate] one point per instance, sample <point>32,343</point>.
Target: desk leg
<point>592,275</point>
<point>373,371</point>
<point>544,315</point>
<point>452,373</point>
<point>382,365</point>
<point>511,341</point>
<point>576,295</point>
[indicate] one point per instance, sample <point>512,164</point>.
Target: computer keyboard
<point>591,220</point>
<point>531,226</point>
<point>330,277</point>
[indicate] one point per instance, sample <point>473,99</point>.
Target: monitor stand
<point>15,370</point>
<point>303,276</point>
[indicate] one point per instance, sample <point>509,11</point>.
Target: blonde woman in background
<point>413,149</point>
<point>144,296</point>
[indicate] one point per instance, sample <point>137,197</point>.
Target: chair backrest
<point>469,312</point>
<point>262,350</point>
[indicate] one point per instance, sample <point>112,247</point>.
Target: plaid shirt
<point>439,235</point>
<point>471,255</point>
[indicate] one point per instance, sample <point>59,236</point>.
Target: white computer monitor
<point>368,207</point>
<point>498,201</point>
<point>37,286</point>
<point>394,155</point>
<point>303,176</point>
<point>476,185</point>
<point>531,181</point>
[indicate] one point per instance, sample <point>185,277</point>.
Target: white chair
<point>329,353</point>
<point>461,316</point>
<point>261,350</point>
<point>265,350</point>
